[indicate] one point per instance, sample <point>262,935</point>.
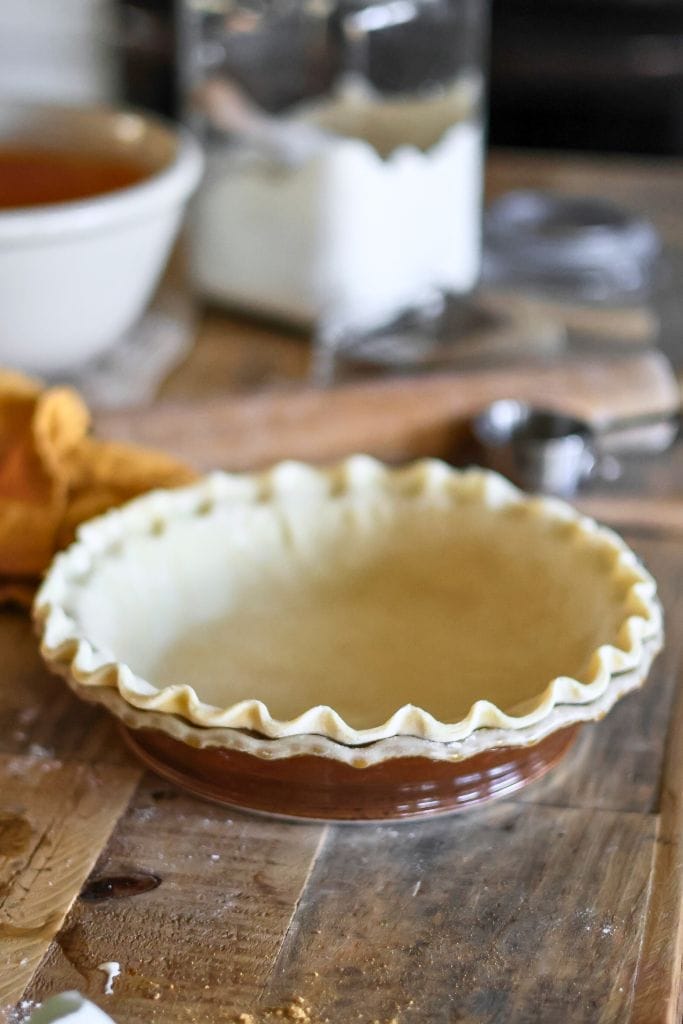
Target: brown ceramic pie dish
<point>309,786</point>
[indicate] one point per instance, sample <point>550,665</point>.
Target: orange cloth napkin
<point>53,476</point>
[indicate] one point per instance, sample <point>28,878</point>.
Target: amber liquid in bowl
<point>30,176</point>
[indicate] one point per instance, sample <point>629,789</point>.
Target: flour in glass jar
<point>347,212</point>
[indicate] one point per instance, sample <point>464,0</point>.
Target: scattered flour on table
<point>295,1012</point>
<point>112,969</point>
<point>20,1013</point>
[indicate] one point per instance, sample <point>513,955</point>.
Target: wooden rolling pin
<point>392,419</point>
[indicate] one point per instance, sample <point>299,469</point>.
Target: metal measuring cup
<point>538,449</point>
<point>543,450</point>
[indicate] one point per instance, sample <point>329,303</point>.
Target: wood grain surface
<point>658,980</point>
<point>560,906</point>
<point>482,918</point>
<point>201,943</point>
<point>55,818</point>
<point>556,905</point>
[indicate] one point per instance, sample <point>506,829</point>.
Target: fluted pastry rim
<point>68,650</point>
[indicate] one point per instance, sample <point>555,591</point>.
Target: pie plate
<point>358,642</point>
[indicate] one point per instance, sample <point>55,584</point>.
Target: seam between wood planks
<point>327,829</point>
<point>551,805</point>
<point>657,991</point>
<point>650,889</point>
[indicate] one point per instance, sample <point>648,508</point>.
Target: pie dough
<point>356,603</point>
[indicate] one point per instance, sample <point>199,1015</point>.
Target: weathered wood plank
<point>54,820</point>
<point>514,914</point>
<point>202,943</point>
<point>658,995</point>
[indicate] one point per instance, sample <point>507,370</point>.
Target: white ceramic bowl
<point>74,276</point>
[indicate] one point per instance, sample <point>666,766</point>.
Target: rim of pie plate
<point>516,611</point>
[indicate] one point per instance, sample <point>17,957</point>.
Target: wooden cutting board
<point>392,419</point>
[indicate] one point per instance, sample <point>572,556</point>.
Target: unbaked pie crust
<point>334,608</point>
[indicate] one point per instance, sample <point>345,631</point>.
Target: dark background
<point>593,75</point>
<point>603,75</point>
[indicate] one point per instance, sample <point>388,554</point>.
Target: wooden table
<point>562,904</point>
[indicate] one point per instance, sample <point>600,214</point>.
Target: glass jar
<point>345,155</point>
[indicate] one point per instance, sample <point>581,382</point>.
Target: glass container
<point>345,156</point>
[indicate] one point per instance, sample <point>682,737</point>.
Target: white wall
<point>59,50</point>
